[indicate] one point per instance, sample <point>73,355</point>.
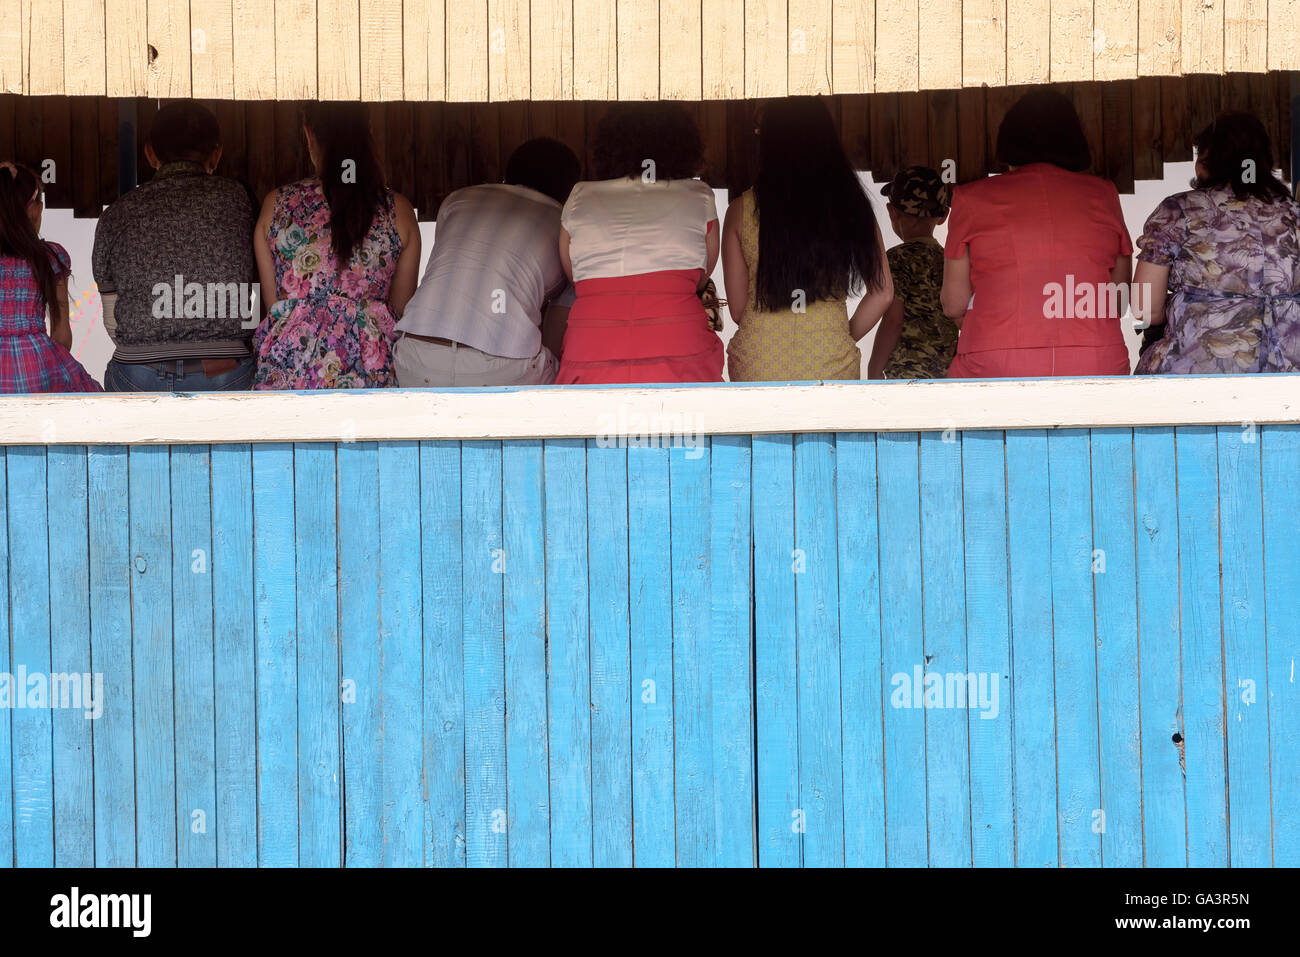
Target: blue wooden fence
<point>552,652</point>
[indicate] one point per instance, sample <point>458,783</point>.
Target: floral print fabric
<point>331,327</point>
<point>1234,283</point>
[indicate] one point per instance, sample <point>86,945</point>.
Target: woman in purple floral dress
<point>1221,262</point>
<point>338,256</point>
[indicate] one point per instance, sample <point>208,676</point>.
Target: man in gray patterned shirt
<point>174,264</point>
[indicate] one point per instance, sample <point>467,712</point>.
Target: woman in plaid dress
<point>33,276</point>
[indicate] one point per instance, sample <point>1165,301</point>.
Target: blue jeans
<point>170,376</point>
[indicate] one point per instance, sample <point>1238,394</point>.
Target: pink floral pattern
<point>330,328</point>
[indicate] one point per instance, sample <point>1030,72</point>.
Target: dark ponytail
<point>342,131</point>
<point>18,237</point>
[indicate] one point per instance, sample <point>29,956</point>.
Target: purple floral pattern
<point>330,328</point>
<point>1232,263</point>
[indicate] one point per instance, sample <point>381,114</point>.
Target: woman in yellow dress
<point>788,283</point>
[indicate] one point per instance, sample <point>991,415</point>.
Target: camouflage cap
<point>919,191</point>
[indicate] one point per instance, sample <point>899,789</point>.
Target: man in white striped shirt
<point>476,319</point>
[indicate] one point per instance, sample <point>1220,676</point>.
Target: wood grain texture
<point>85,72</point>
<point>339,53</point>
<point>255,50</point>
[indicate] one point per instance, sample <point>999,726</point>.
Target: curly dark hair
<point>1234,143</point>
<point>632,133</point>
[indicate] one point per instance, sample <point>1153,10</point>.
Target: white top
<point>494,265</point>
<point>628,227</point>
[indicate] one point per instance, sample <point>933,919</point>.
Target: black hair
<point>817,229</point>
<point>184,131</point>
<point>545,165</point>
<point>631,134</point>
<point>350,174</point>
<point>18,237</point>
<point>1236,152</point>
<point>1043,127</point>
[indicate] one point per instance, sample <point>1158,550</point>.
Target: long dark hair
<point>18,237</point>
<point>349,172</point>
<point>1234,143</point>
<point>818,230</point>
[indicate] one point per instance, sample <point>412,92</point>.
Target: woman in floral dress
<point>338,256</point>
<point>1221,262</point>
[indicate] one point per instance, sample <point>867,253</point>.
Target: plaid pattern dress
<point>30,361</point>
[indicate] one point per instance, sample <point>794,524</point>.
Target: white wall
<point>91,344</point>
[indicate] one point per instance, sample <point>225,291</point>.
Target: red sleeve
<point>1125,242</point>
<point>959,221</point>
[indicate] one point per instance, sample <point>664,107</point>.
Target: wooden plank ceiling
<point>1134,126</point>
<point>577,50</point>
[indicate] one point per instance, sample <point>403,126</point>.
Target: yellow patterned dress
<point>788,345</point>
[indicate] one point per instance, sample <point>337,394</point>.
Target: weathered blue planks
<point>316,566</point>
<point>1202,633</point>
<point>361,696</point>
<point>650,589</point>
<point>524,581</point>
<point>731,654</point>
<point>1031,648</point>
<point>482,560</point>
<point>817,649</point>
<point>861,682</point>
<point>568,655</point>
<point>275,584</point>
<point>1245,649</point>
<point>611,677</point>
<point>444,664</point>
<point>234,653</point>
<point>149,480</point>
<point>111,569</point>
<point>988,646</point>
<point>400,655</point>
<point>1164,814</point>
<point>903,647</point>
<point>947,713</point>
<point>1033,701</point>
<point>191,526</point>
<point>6,667</point>
<point>1115,592</point>
<point>781,821</point>
<point>1280,448</point>
<point>29,643</point>
<point>693,772</point>
<point>74,797</point>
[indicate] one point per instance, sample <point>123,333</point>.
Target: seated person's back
<point>174,260</point>
<point>476,319</point>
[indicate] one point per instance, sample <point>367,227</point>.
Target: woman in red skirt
<point>33,277</point>
<point>639,243</point>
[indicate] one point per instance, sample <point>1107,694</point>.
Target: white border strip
<point>595,412</point>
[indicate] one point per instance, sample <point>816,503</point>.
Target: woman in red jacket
<point>1043,250</point>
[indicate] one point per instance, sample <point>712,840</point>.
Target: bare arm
<point>60,326</point>
<point>565,261</point>
<point>891,327</point>
<point>957,290</point>
<point>262,251</point>
<point>876,301</point>
<point>554,321</point>
<point>712,246</point>
<point>1150,288</point>
<point>735,274</point>
<point>407,275</point>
